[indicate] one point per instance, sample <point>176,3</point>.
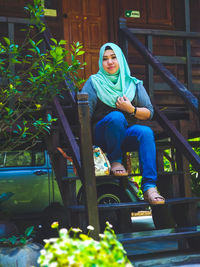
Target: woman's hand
<point>124,104</point>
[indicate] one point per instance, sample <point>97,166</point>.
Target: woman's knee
<point>116,118</point>
<point>147,132</point>
<point>143,131</point>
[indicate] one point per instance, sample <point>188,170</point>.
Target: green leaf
<point>49,117</point>
<point>7,40</point>
<point>29,230</point>
<point>32,43</point>
<point>54,40</point>
<point>39,42</point>
<point>62,42</point>
<point>80,53</point>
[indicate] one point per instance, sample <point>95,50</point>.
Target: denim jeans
<point>114,136</point>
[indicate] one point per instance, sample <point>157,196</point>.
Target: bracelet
<point>134,112</point>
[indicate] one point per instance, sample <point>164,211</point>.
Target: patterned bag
<point>101,163</point>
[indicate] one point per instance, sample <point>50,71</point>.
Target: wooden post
<point>87,164</point>
<point>184,162</point>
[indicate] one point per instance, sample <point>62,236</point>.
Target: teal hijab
<point>111,86</point>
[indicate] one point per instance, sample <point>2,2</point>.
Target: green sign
<point>132,14</point>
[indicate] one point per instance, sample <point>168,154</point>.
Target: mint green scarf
<point>111,86</point>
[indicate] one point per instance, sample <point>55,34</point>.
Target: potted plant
<point>73,248</point>
<point>19,250</point>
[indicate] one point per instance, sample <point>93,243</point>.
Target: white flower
<point>53,264</point>
<point>63,231</point>
<point>76,230</point>
<point>90,227</point>
<point>101,235</point>
<point>42,251</point>
<point>110,225</point>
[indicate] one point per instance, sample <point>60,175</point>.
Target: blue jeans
<point>114,136</point>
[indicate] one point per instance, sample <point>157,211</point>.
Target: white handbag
<point>101,163</point>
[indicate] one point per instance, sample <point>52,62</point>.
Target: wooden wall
<point>10,8</point>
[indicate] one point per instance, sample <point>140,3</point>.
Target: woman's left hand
<point>124,104</point>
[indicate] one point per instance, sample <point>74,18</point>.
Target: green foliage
<point>29,79</point>
<point>195,176</point>
<point>135,171</point>
<point>20,240</point>
<point>73,248</point>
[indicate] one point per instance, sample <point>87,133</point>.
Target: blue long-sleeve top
<point>98,109</point>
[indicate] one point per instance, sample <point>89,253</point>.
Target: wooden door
<point>86,21</point>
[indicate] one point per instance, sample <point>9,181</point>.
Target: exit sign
<point>132,14</point>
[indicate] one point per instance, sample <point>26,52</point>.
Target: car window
<point>21,158</point>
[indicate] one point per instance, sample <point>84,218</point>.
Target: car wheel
<point>108,194</point>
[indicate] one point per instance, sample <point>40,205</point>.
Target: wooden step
<point>160,174</point>
<point>162,247</point>
<point>156,235</point>
<point>166,258</point>
<point>139,204</point>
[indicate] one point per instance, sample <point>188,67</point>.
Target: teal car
<point>28,175</point>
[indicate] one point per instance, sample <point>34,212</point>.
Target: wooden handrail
<point>70,138</point>
<point>178,87</point>
<point>165,33</point>
<point>179,140</point>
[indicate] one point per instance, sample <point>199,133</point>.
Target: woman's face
<point>110,62</point>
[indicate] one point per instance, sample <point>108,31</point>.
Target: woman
<point>116,101</point>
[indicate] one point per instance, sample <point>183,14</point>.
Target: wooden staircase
<point>179,212</point>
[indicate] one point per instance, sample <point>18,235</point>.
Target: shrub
<point>73,248</point>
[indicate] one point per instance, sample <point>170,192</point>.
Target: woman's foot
<point>153,197</point>
<point>117,169</point>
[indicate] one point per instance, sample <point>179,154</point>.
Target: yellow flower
<point>55,225</point>
<point>38,106</point>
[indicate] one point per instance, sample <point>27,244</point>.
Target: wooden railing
<point>187,96</point>
<point>153,61</point>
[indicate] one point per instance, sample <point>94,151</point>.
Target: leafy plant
<point>30,77</point>
<point>195,176</point>
<point>73,248</point>
<point>20,240</point>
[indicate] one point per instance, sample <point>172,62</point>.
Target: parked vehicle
<point>29,176</point>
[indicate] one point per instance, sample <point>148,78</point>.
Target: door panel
<point>159,12</point>
<point>86,22</point>
<point>93,32</point>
